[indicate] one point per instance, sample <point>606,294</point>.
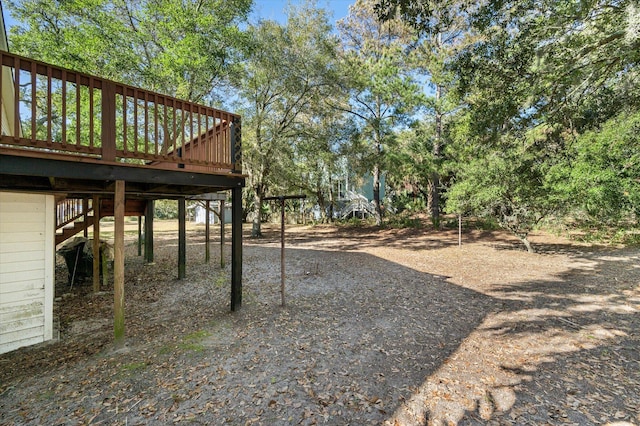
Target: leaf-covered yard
<point>381,327</point>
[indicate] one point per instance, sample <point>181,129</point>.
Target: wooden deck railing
<point>63,112</point>
<point>70,209</point>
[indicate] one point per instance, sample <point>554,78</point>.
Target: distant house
<point>355,197</point>
<point>199,213</point>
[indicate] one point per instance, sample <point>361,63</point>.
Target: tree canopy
<point>519,112</point>
<point>184,49</point>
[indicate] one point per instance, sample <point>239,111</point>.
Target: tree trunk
<point>332,202</point>
<point>256,230</point>
<point>526,243</point>
<point>434,180</point>
<point>322,205</point>
<point>376,194</point>
<point>434,199</point>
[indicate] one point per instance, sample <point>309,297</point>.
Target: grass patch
<point>220,281</point>
<point>196,336</point>
<point>133,366</point>
<point>193,342</point>
<point>191,347</point>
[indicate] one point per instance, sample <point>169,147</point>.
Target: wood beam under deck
<point>72,177</point>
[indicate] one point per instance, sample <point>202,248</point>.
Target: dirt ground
<point>385,327</point>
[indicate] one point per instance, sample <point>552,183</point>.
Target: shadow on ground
<point>362,340</point>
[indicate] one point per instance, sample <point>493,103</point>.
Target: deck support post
<point>148,232</point>
<point>96,243</point>
<point>236,249</point>
<point>221,217</point>
<point>118,263</point>
<point>139,235</point>
<point>85,217</point>
<point>207,230</point>
<point>182,238</point>
<point>282,271</point>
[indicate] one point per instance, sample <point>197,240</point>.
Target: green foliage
<point>182,48</point>
<point>166,209</point>
<point>406,201</point>
<point>403,221</point>
<point>541,87</point>
<point>602,177</point>
<point>510,185</point>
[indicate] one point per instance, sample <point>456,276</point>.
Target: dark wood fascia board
<point>52,175</point>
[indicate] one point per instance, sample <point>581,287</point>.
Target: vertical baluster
<point>200,136</point>
<point>49,90</point>
<point>64,107</point>
<point>207,133</point>
<point>78,111</point>
<point>124,120</point>
<point>146,123</point>
<point>155,123</point>
<point>174,135</point>
<point>222,138</point>
<point>217,122</point>
<point>34,76</point>
<point>135,121</point>
<point>228,141</point>
<point>91,126</point>
<point>165,128</point>
<point>191,138</point>
<point>16,109</point>
<point>182,130</point>
<point>214,137</point>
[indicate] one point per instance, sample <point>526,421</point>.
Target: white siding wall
<point>27,258</point>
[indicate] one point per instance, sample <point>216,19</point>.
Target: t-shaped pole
<point>282,200</point>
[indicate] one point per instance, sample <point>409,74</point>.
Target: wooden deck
<point>70,132</point>
<point>80,136</point>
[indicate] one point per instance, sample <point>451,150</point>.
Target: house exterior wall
<point>201,216</point>
<point>27,267</point>
<point>8,109</point>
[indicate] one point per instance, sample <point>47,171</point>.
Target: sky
<point>274,9</point>
<point>265,9</point>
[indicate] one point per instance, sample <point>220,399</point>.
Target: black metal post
<point>182,238</point>
<point>236,248</point>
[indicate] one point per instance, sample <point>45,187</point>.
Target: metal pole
<point>282,277</point>
<point>221,234</point>
<point>182,238</point>
<point>282,202</point>
<point>206,231</point>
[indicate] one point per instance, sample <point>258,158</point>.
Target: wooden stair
<point>75,228</point>
<point>72,221</point>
